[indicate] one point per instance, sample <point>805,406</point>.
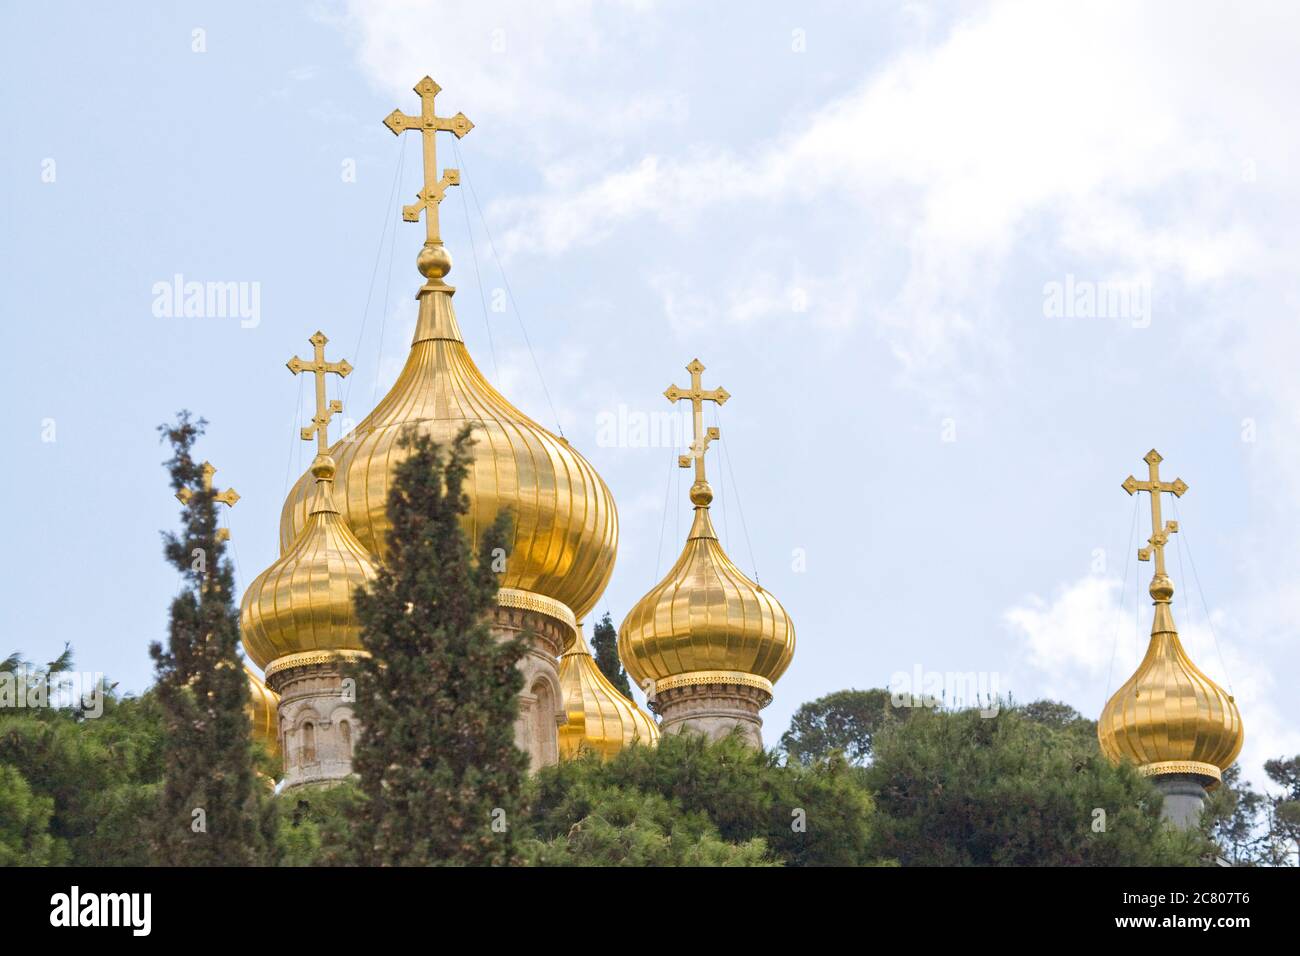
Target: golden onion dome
<point>302,604</point>
<point>1169,717</point>
<point>565,523</point>
<point>263,712</point>
<point>706,622</point>
<point>600,717</point>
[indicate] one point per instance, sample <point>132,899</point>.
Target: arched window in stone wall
<point>309,742</point>
<point>345,734</point>
<point>545,742</point>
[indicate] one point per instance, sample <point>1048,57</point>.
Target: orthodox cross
<point>430,124</point>
<point>1160,531</point>
<point>697,396</point>
<point>228,497</point>
<point>324,410</point>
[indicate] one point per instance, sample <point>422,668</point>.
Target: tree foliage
<point>1253,828</point>
<point>604,648</point>
<point>698,791</point>
<point>98,770</point>
<point>619,827</point>
<point>438,697</point>
<point>24,823</point>
<point>316,825</point>
<point>955,788</point>
<point>1285,772</point>
<point>845,722</point>
<point>212,811</point>
<point>1053,713</point>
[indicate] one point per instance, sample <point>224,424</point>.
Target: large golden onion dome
<point>600,717</point>
<point>565,523</point>
<point>301,606</point>
<point>1169,717</point>
<point>706,622</point>
<point>263,712</point>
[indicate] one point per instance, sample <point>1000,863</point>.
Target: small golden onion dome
<point>705,621</point>
<point>303,602</point>
<point>263,712</point>
<point>565,523</point>
<point>1169,718</point>
<point>600,717</point>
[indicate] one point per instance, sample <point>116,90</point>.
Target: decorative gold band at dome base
<point>307,658</point>
<point>532,601</point>
<point>1164,767</point>
<point>695,678</point>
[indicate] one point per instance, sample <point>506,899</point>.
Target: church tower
<point>565,526</point>
<point>706,643</point>
<point>1178,726</point>
<point>297,620</point>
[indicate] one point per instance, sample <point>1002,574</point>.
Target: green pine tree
<point>694,802</point>
<point>1243,824</point>
<point>604,648</point>
<point>438,697</point>
<point>25,823</point>
<point>845,721</point>
<point>97,759</point>
<point>966,788</point>
<point>1285,772</point>
<point>212,811</point>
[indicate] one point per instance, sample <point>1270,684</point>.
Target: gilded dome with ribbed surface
<point>706,617</point>
<point>263,712</point>
<point>1169,717</point>
<point>600,717</point>
<point>566,526</point>
<point>303,602</point>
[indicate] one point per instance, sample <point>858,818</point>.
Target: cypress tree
<point>604,648</point>
<point>211,810</point>
<point>438,697</point>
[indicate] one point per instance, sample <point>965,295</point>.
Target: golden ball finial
<point>1162,589</point>
<point>434,261</point>
<point>701,494</point>
<point>323,467</point>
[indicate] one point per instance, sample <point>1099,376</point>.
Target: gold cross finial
<point>324,410</point>
<point>433,259</point>
<point>1160,530</point>
<point>698,395</point>
<point>228,497</point>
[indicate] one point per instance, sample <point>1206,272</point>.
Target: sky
<point>959,265</point>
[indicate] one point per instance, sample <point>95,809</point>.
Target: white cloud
<point>1062,117</point>
<point>1072,638</point>
<point>988,126</point>
<point>534,70</point>
<point>751,297</point>
<point>1126,135</point>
